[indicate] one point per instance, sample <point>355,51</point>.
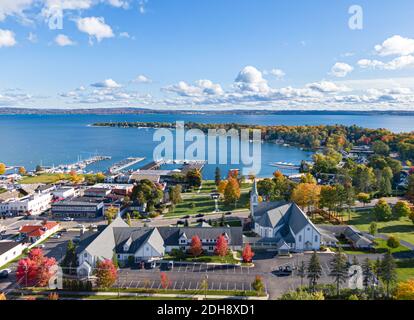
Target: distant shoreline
<point>132,111</point>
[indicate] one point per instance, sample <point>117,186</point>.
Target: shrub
<point>393,242</point>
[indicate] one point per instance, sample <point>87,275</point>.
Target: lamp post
<point>215,196</point>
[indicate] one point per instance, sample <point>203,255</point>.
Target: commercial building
<point>79,207</point>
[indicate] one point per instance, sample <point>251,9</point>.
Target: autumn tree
<point>405,290</point>
<point>165,281</point>
<point>106,273</point>
<point>111,213</point>
<point>306,195</point>
<point>247,254</point>
<point>221,248</point>
<point>382,211</point>
<point>401,209</point>
<point>232,191</point>
<point>363,198</point>
<point>222,186</point>
<point>196,247</point>
<point>2,168</point>
<point>36,269</point>
<point>22,171</point>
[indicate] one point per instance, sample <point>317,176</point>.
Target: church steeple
<point>254,198</point>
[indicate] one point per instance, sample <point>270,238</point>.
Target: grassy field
<point>46,178</point>
<point>405,269</point>
<point>403,229</point>
<point>195,203</point>
<point>206,259</point>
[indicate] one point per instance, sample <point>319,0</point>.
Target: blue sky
<point>215,54</point>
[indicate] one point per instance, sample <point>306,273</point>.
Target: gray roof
<point>7,245</point>
<point>103,244</point>
<point>136,237</point>
<point>287,218</point>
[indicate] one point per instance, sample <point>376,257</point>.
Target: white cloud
<point>326,87</point>
<point>201,88</point>
<point>341,69</point>
<point>63,40</point>
<point>251,79</point>
<point>278,73</point>
<point>13,8</point>
<point>95,27</point>
<point>108,83</point>
<point>395,64</point>
<point>142,79</point>
<point>7,38</point>
<point>142,6</point>
<point>395,45</point>
<point>119,3</point>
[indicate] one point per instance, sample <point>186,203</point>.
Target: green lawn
<point>403,229</point>
<point>405,269</point>
<point>203,202</point>
<point>46,178</point>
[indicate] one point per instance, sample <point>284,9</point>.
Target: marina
<point>285,165</point>
<point>78,166</point>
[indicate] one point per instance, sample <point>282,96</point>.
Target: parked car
<point>80,226</point>
<point>41,246</point>
<point>228,213</point>
<point>200,215</point>
<point>186,217</point>
<point>150,265</point>
<point>180,222</point>
<point>283,272</point>
<point>56,236</point>
<point>5,273</point>
<point>147,220</point>
<point>166,265</point>
<point>200,220</point>
<point>68,219</point>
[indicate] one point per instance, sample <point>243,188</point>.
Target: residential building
<point>147,243</point>
<point>78,207</point>
<point>33,233</point>
<point>10,250</point>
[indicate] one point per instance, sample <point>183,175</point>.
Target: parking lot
<point>187,280</point>
<point>56,248</point>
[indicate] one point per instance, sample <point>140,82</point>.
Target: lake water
<point>29,140</point>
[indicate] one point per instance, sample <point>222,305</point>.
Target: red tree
<point>165,281</point>
<point>196,247</point>
<point>221,246</point>
<point>36,269</point>
<point>106,273</point>
<point>247,254</point>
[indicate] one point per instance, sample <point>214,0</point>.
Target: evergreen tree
<point>70,260</point>
<point>302,272</point>
<point>367,273</point>
<point>339,269</point>
<point>314,270</point>
<point>217,176</point>
<point>388,273</point>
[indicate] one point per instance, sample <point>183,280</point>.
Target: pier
<point>187,165</point>
<point>79,165</point>
<point>122,165</point>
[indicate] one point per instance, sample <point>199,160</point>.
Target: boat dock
<point>79,165</point>
<point>187,165</point>
<point>126,163</point>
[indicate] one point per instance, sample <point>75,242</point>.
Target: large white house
<point>146,243</point>
<point>284,224</point>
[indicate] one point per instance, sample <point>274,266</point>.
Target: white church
<point>284,224</point>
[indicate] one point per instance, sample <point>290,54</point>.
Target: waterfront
<point>29,140</point>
